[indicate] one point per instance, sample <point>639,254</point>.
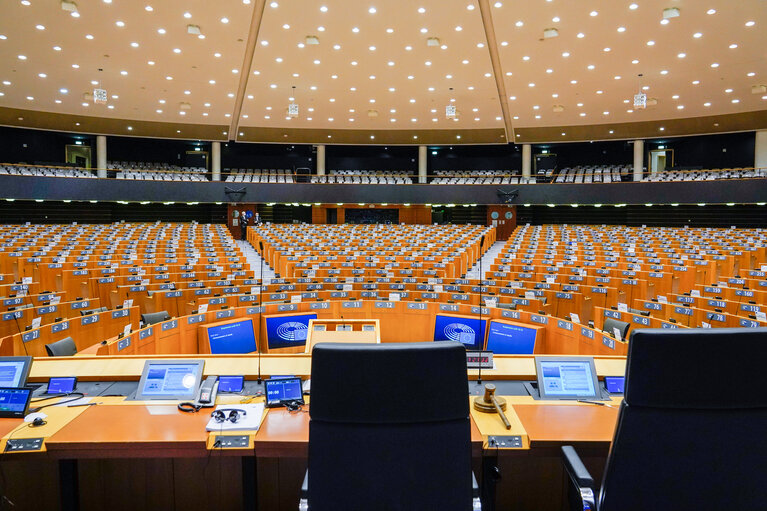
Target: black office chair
<point>155,317</point>
<point>611,323</point>
<point>63,348</point>
<point>687,438</point>
<point>389,429</point>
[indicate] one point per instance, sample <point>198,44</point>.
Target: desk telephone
<point>206,396</point>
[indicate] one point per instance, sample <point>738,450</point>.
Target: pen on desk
<point>598,403</point>
<point>83,404</point>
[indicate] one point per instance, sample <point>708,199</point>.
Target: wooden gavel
<point>489,403</point>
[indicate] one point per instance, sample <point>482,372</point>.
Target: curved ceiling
<point>384,71</point>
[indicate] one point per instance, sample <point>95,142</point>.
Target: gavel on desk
<point>489,403</point>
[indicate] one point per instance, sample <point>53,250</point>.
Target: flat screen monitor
<point>567,378</point>
<point>278,391</point>
<point>170,379</point>
<point>468,331</point>
<point>61,385</point>
<point>14,402</point>
<point>615,384</point>
<point>287,331</point>
<point>232,337</point>
<point>14,371</point>
<point>510,339</point>
<point>232,384</point>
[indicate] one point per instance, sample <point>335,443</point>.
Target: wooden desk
<point>558,424</point>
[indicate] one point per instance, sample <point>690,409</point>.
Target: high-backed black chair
<point>63,348</point>
<point>389,429</point>
<point>691,427</point>
<point>611,323</point>
<point>155,317</point>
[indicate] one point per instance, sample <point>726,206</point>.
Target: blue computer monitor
<point>287,331</point>
<point>510,338</point>
<point>468,331</point>
<point>567,378</point>
<point>14,371</point>
<point>232,337</point>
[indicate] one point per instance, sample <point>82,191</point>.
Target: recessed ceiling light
<point>632,7</point>
<point>372,10</point>
<point>621,29</point>
<point>317,62</point>
<point>580,35</point>
<point>226,20</point>
<point>480,45</point>
<point>161,31</point>
<point>736,101</point>
<point>177,50</point>
<point>134,44</point>
<point>606,49</point>
<point>566,54</point>
<point>664,72</point>
<point>278,59</point>
<point>40,27</point>
<point>410,77</point>
<point>212,82</point>
<point>573,82</point>
<point>355,30</point>
<point>664,21</point>
<point>582,114</point>
<point>498,5</point>
<point>696,82</point>
<point>715,64</point>
<point>519,23</point>
<point>680,107</point>
<point>635,61</point>
<point>599,92</point>
<point>593,13</point>
<point>727,90</point>
<point>531,84</point>
<point>421,10</point>
<point>273,85</point>
<point>120,23</point>
<point>706,104</point>
<point>697,35</point>
<point>3,37</point>
<point>681,55</point>
<point>148,8</point>
<point>650,43</point>
<point>750,23</point>
<point>26,2</point>
<point>124,73</point>
<point>526,57</point>
<point>733,46</point>
<point>662,128</point>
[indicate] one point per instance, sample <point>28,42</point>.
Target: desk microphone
<point>482,342</point>
<point>342,322</point>
<point>260,308</point>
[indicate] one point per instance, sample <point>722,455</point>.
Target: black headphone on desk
<point>189,407</point>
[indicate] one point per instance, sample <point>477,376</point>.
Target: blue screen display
<point>567,379</point>
<point>170,380</point>
<point>508,339</point>
<point>63,385</point>
<point>285,389</point>
<point>14,400</point>
<point>468,331</point>
<point>230,383</point>
<point>232,338</point>
<point>10,374</point>
<point>615,384</point>
<point>288,331</point>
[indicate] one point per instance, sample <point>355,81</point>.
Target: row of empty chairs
<point>29,170</point>
<point>594,174</point>
<point>478,177</point>
<point>259,176</point>
<point>391,177</point>
<point>156,171</point>
<point>705,175</point>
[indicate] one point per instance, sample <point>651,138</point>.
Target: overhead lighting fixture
<point>670,12</point>
<point>193,29</point>
<point>432,41</point>
<point>312,39</point>
<point>70,7</point>
<point>548,33</point>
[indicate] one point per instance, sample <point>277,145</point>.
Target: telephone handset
<point>205,398</point>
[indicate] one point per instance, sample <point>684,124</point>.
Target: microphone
<point>342,321</point>
<point>482,342</point>
<point>260,308</point>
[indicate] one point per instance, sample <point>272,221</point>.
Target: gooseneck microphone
<point>260,309</point>
<point>482,342</point>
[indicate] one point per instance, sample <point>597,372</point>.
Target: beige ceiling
<point>209,75</point>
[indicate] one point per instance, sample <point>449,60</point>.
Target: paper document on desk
<point>251,421</point>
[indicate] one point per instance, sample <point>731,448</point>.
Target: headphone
<point>37,422</point>
<point>189,407</point>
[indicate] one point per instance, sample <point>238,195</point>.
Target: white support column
<point>638,160</point>
<point>321,160</point>
<point>526,160</point>
<point>215,161</point>
<point>422,164</point>
<point>101,155</point>
<point>760,152</point>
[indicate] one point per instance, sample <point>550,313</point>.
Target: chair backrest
<point>611,323</point>
<point>154,317</point>
<point>690,432</point>
<point>63,348</point>
<point>389,427</point>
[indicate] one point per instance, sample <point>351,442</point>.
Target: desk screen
<point>468,331</point>
<point>509,339</point>
<point>232,338</point>
<point>230,383</point>
<point>566,377</point>
<point>170,379</point>
<point>287,331</point>
<point>61,385</point>
<point>14,402</point>
<point>615,384</point>
<point>14,371</point>
<point>284,389</point>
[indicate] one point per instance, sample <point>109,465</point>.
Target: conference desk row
<point>123,454</point>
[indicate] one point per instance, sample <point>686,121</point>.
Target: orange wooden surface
<point>567,423</point>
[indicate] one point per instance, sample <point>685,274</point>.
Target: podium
<point>343,330</point>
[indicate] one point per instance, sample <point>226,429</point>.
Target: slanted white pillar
<point>638,160</point>
<point>215,161</point>
<point>527,160</point>
<point>760,151</point>
<point>422,164</point>
<point>101,155</point>
<point>321,160</point>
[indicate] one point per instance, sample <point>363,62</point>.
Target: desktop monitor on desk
<point>232,337</point>
<point>14,371</point>
<point>467,330</point>
<point>176,380</point>
<point>508,338</point>
<point>567,378</point>
<point>287,330</point>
